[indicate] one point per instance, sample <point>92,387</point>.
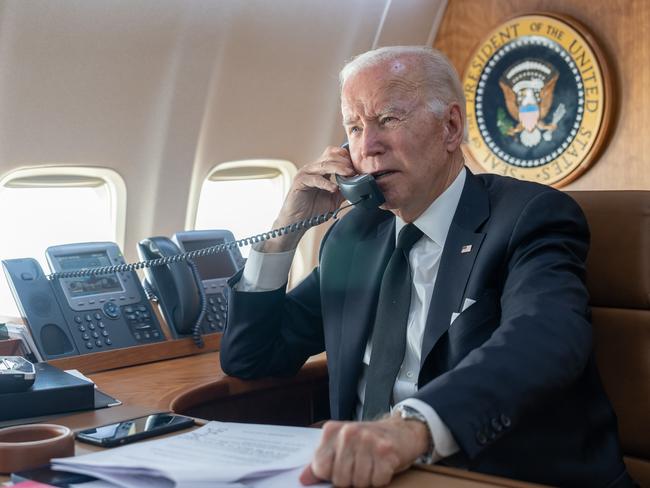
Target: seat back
<point>618,279</point>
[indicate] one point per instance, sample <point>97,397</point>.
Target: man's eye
<point>387,120</point>
<point>354,129</point>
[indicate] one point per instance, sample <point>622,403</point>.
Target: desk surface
<point>153,387</point>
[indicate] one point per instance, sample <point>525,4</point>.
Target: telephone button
<point>156,334</point>
<point>214,309</point>
<point>137,336</point>
<point>95,335</point>
<point>142,308</point>
<point>105,333</point>
<point>223,308</point>
<point>211,301</point>
<point>78,319</point>
<point>98,316</point>
<point>82,328</point>
<point>85,336</point>
<point>89,345</point>
<point>108,342</point>
<point>100,324</point>
<point>210,318</point>
<point>91,326</point>
<point>89,317</point>
<point>112,310</point>
<point>98,343</point>
<point>129,309</point>
<point>147,335</point>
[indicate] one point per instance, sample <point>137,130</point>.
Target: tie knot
<point>408,236</point>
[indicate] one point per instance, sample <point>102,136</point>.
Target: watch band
<point>409,413</point>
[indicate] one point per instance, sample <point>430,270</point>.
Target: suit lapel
<point>368,262</point>
<point>457,260</point>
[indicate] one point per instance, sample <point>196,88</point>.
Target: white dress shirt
<point>269,271</point>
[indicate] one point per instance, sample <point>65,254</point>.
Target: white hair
<point>444,86</point>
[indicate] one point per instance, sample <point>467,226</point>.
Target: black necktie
<point>389,332</point>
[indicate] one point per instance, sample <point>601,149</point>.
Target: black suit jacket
<point>513,377</point>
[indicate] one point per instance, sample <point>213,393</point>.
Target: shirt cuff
<point>265,271</point>
<point>444,444</point>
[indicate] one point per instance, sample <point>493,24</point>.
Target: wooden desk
<point>413,478</point>
<point>197,384</point>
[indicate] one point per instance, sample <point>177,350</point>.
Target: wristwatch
<point>409,413</point>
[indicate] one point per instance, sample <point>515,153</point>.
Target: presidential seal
<point>538,100</point>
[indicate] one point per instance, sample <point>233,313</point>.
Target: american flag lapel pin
<point>466,248</point>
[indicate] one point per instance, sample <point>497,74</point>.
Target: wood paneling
<point>622,29</point>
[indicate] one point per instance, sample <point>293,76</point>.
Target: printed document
<point>218,454</point>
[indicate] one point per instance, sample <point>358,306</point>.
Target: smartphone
<point>135,429</point>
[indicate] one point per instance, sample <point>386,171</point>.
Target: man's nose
<point>371,143</point>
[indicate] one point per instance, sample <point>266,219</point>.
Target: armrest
<point>299,400</point>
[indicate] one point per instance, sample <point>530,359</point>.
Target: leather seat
<point>618,279</point>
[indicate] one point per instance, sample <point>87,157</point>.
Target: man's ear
<point>454,129</point>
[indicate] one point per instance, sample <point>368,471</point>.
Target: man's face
<point>394,136</point>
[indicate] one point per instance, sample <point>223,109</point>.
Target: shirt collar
<point>436,219</point>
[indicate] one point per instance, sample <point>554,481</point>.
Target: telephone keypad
<point>216,313</point>
<point>139,319</point>
<point>96,334</point>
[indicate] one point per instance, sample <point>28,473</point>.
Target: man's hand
<point>366,453</point>
<point>312,193</point>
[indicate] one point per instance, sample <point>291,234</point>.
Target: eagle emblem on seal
<point>528,87</point>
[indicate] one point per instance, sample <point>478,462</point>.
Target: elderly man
<point>455,317</point>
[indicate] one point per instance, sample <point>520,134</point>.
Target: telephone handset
<point>82,313</point>
<point>173,286</point>
<point>361,189</point>
<point>191,292</point>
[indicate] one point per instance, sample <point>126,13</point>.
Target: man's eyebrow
<point>392,109</point>
<point>349,119</point>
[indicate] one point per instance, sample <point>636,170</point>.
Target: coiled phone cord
<point>203,300</point>
<point>208,251</point>
<point>188,258</point>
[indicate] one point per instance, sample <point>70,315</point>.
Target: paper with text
<point>217,454</point>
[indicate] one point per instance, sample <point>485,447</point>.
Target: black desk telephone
<point>93,300</point>
<point>86,313</point>
<point>191,292</point>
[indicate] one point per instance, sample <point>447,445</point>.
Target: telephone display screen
<point>218,265</point>
<point>89,285</point>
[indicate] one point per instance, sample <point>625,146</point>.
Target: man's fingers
<point>307,477</point>
<point>315,181</point>
<point>363,468</point>
<point>321,466</point>
<point>345,454</point>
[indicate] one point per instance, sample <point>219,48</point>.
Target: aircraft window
<point>243,196</point>
<point>42,207</point>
